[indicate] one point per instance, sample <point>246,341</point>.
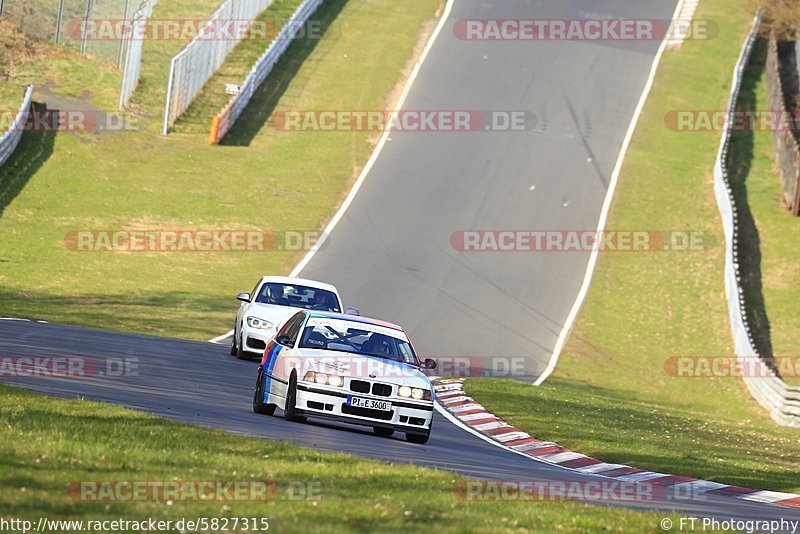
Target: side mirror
<point>283,340</point>
<point>429,363</point>
<point>353,311</point>
<point>244,297</point>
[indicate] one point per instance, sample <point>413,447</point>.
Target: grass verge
<point>46,444</point>
<point>263,179</point>
<point>612,396</point>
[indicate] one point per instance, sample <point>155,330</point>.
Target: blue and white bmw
<point>348,368</point>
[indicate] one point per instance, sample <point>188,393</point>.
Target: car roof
<point>354,318</point>
<point>299,281</point>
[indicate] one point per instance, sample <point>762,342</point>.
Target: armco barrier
<point>196,62</point>
<point>222,123</point>
<point>10,139</point>
<point>782,401</point>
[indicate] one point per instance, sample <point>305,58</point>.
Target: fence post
<point>59,19</point>
<point>170,82</point>
<point>122,37</point>
<point>85,22</point>
<point>1,8</point>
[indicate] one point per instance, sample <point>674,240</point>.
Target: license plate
<point>372,404</point>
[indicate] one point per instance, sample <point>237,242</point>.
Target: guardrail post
<point>59,19</point>
<point>122,37</point>
<point>85,22</point>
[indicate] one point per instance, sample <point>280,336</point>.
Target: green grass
<point>611,396</point>
<point>276,181</point>
<point>46,444</point>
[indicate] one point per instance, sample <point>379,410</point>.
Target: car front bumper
<point>406,415</point>
<point>255,339</point>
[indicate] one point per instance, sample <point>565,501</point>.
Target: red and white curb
<point>464,411</point>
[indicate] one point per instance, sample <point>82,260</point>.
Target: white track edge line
<point>601,223</point>
<point>378,148</point>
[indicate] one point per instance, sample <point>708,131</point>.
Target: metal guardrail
<point>782,401</point>
<point>131,53</point>
<point>787,148</point>
<point>224,121</point>
<point>10,139</point>
<point>196,62</point>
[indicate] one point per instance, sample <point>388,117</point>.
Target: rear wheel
<point>290,409</point>
<point>258,397</point>
<point>382,431</point>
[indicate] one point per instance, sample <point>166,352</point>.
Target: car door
<point>278,361</point>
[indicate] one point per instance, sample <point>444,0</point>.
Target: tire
<point>382,431</point>
<point>234,350</point>
<point>240,353</point>
<point>258,398</point>
<point>417,438</point>
<point>289,410</point>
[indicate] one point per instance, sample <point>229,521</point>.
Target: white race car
<point>348,368</point>
<point>272,302</point>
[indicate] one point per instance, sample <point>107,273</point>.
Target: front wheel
<point>418,438</point>
<point>290,408</point>
<point>234,350</point>
<point>382,431</point>
<point>240,353</point>
<point>258,398</point>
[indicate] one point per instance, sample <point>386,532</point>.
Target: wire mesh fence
<point>71,22</point>
<point>131,52</point>
<point>199,59</point>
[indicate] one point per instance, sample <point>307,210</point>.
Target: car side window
<point>292,327</point>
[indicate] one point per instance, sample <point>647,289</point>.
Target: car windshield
<point>355,337</point>
<point>309,298</point>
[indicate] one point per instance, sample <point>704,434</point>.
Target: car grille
<point>367,412</point>
<point>383,390</point>
<point>359,386</point>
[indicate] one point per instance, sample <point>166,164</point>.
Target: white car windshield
<point>296,296</point>
<point>356,337</point>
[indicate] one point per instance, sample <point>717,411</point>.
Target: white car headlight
<point>322,379</point>
<point>255,322</point>
<point>417,393</point>
<point>404,391</point>
<point>335,381</point>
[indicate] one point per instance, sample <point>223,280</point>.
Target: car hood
<point>351,365</point>
<point>272,313</point>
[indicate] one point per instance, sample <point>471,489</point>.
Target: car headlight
<point>323,379</point>
<point>255,322</point>
<point>415,393</point>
